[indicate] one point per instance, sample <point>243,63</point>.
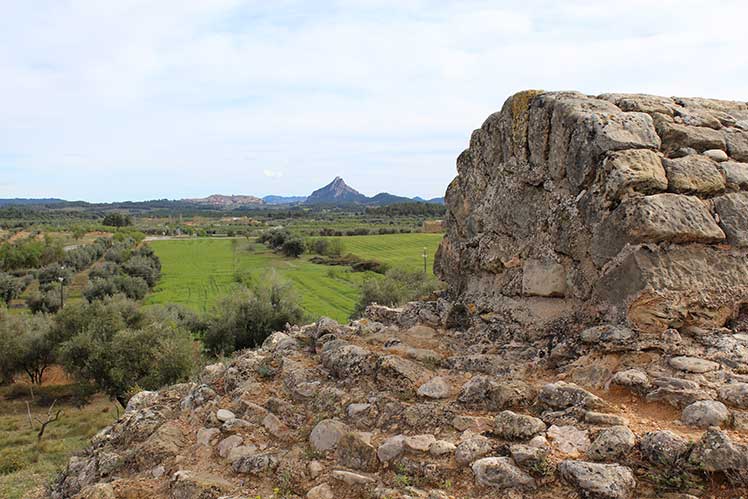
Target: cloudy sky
<point>107,100</point>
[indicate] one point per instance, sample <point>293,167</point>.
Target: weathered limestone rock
<point>693,174</point>
<point>601,481</point>
<point>705,413</point>
<point>566,202</point>
<point>611,444</point>
<point>512,426</point>
<point>736,175</point>
<point>663,447</point>
<point>716,452</point>
<point>569,440</point>
<point>693,364</point>
<point>735,394</point>
<point>192,485</point>
<point>435,388</point>
<point>321,491</point>
<point>326,434</point>
<point>472,449</point>
<point>732,210</point>
<point>500,473</point>
<point>353,451</point>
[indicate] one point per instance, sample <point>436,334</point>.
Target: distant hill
<point>336,192</point>
<point>339,193</point>
<point>284,199</point>
<point>227,202</point>
<point>29,201</point>
<point>385,198</point>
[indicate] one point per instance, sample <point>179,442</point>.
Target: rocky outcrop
<point>357,419</point>
<point>628,207</point>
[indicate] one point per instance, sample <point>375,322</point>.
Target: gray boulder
<point>500,473</point>
<point>663,447</point>
<point>705,413</point>
<point>599,481</point>
<point>611,444</point>
<point>326,434</point>
<point>513,426</point>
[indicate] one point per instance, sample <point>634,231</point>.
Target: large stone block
<point>693,174</point>
<point>676,136</point>
<point>653,219</point>
<point>633,171</point>
<point>733,217</point>
<point>737,145</point>
<point>736,175</point>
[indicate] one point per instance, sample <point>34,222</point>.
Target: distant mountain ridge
<point>29,201</point>
<point>284,199</point>
<point>336,193</point>
<point>227,202</point>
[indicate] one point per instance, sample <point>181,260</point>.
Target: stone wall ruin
<point>626,207</point>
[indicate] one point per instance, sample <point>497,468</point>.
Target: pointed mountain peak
<point>336,192</point>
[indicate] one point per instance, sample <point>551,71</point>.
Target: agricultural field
<point>396,250</point>
<point>197,272</point>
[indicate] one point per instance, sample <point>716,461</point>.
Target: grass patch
<point>26,465</point>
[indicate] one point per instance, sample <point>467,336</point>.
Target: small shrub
<point>396,288</point>
<point>245,318</point>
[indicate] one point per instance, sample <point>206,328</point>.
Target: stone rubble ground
<point>351,420</point>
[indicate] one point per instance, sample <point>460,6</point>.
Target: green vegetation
<point>396,287</point>
<point>226,293</point>
<point>26,464</point>
<point>117,220</point>
<point>112,343</point>
<point>396,250</point>
<point>246,317</point>
<point>197,272</point>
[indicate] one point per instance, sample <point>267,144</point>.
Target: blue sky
<point>107,100</point>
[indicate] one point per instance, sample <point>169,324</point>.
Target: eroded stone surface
<point>598,201</point>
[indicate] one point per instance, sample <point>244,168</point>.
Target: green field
<point>396,250</point>
<point>197,272</point>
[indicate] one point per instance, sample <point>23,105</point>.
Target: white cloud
<point>272,173</point>
<point>170,98</point>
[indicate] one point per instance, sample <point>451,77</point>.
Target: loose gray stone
<point>611,444</point>
<point>500,473</point>
<point>326,434</point>
<point>705,413</point>
<point>663,447</point>
<point>206,435</point>
<point>224,415</point>
<point>442,447</point>
<point>569,440</point>
<point>435,388</point>
<point>693,364</point>
<point>351,478</point>
<point>419,443</point>
<point>599,481</point>
<point>227,444</point>
<point>513,426</point>
<point>391,448</point>
<point>472,448</point>
<point>321,491</point>
<point>716,154</point>
<point>735,394</point>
